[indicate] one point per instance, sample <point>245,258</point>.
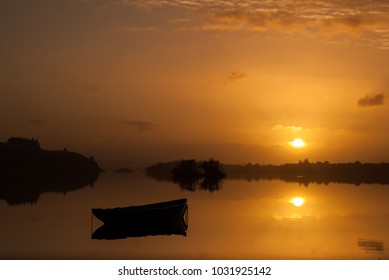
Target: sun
<point>297,143</point>
<point>297,201</point>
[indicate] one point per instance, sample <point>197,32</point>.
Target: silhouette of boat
<point>163,218</point>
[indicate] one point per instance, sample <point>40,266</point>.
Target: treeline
<point>189,174</point>
<point>29,143</point>
<point>24,156</point>
<point>162,171</point>
<point>306,172</point>
<point>303,172</point>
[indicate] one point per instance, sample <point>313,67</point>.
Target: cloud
<point>141,126</point>
<point>236,75</point>
<point>366,21</point>
<point>179,20</point>
<point>371,100</point>
<point>288,127</point>
<point>321,17</point>
<point>138,28</point>
<point>36,122</point>
<point>145,4</point>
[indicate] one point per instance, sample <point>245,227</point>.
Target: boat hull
<point>165,218</point>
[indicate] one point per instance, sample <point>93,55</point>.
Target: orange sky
<point>162,80</point>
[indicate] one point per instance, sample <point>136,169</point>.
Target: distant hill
<point>27,170</point>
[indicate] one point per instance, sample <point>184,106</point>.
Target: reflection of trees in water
<point>187,184</point>
<point>17,190</point>
<point>371,245</point>
<point>211,184</point>
<point>206,184</point>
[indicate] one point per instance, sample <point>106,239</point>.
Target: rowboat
<point>168,210</point>
<point>163,218</point>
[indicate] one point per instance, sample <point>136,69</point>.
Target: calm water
<point>243,220</point>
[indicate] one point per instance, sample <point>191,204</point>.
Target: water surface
<point>242,220</point>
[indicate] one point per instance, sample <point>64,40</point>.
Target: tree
<point>191,175</point>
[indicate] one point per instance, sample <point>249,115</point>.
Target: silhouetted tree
<point>186,170</point>
<point>24,142</point>
<point>212,169</point>
<point>191,175</point>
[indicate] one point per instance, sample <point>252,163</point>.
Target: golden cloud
<point>367,21</point>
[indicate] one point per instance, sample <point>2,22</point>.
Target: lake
<point>241,220</point>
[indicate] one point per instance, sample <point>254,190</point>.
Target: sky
<point>238,81</point>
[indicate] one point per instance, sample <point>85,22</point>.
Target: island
<point>190,174</point>
<point>303,172</point>
<point>27,170</point>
